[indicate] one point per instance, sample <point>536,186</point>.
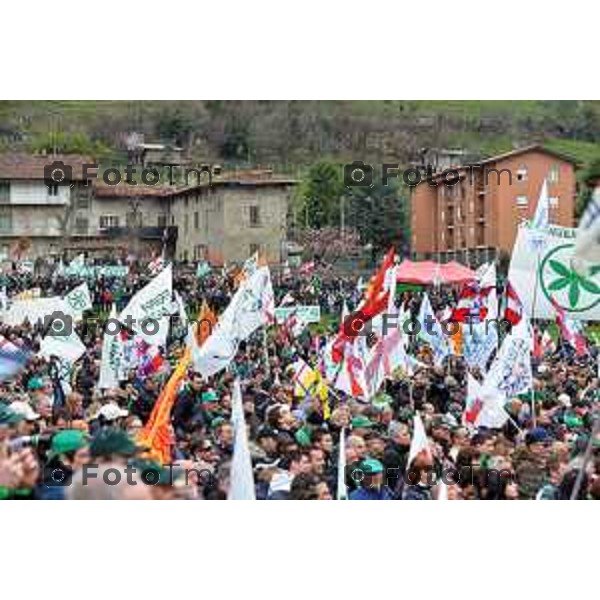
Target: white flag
<point>247,311</point>
<point>480,340</point>
<point>587,246</point>
<point>431,332</point>
<point>511,370</point>
<point>419,441</point>
<point>442,490</point>
<point>553,274</point>
<point>241,485</point>
<point>181,310</point>
<point>152,302</point>
<point>66,347</point>
<point>541,218</point>
<point>78,300</point>
<point>342,492</point>
<point>110,365</point>
<point>484,405</point>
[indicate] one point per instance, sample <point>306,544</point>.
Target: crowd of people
<point>85,444</point>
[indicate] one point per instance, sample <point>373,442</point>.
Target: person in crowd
<point>56,425</point>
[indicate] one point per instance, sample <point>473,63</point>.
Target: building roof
<point>126,190</point>
<point>530,148</point>
<point>29,166</point>
<point>250,178</point>
<point>511,154</point>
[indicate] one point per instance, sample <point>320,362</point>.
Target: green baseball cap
<point>152,473</point>
<point>216,422</point>
<point>302,436</point>
<point>8,416</point>
<point>371,466</point>
<point>35,383</point>
<point>109,441</point>
<point>68,440</point>
<point>382,401</point>
<point>362,422</point>
<point>208,397</point>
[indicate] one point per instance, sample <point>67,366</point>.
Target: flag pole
<point>515,424</point>
<point>586,459</point>
<point>533,305</point>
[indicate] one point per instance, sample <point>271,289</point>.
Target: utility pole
<point>342,216</point>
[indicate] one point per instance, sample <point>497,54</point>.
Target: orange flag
<point>206,321</point>
<point>456,341</point>
<point>157,434</point>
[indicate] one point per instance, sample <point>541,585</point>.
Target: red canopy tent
<point>428,273</point>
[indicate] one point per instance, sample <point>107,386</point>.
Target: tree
<point>69,143</point>
<point>380,214</point>
<point>321,191</point>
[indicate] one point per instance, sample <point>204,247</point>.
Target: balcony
<point>144,233</point>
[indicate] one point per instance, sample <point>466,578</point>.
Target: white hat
<point>565,399</point>
<point>24,409</point>
<point>111,411</point>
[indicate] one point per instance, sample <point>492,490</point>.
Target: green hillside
<point>288,134</point>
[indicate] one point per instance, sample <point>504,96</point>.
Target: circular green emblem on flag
<point>574,290</point>
<point>77,300</point>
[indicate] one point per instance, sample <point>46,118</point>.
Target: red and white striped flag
<point>157,264</point>
<point>513,311</point>
<point>571,331</point>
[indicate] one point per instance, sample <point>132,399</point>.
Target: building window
<point>200,252</point>
<point>522,174</point>
<point>480,241</point>
<point>185,223</point>
<point>196,220</point>
<point>4,192</point>
<point>522,201</point>
<point>553,174</point>
<point>553,201</point>
<point>81,225</point>
<point>161,220</point>
<point>134,219</point>
<point>172,219</point>
<point>4,251</point>
<point>255,216</point>
<point>52,190</point>
<point>5,221</point>
<point>481,208</point>
<point>108,221</point>
<point>83,202</point>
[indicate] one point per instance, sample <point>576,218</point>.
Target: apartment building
<point>239,213</point>
<point>476,218</point>
<point>35,217</point>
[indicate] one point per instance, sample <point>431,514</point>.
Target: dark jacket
<point>416,492</point>
<point>530,471</point>
<point>394,462</point>
<point>368,493</point>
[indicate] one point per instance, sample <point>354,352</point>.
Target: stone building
<point>235,215</point>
